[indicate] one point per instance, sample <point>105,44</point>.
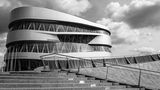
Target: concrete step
<point>37,74</point>
<point>23,72</point>
<point>40,74</point>
<point>35,77</point>
<point>47,81</point>
<point>54,81</point>
<point>54,76</point>
<point>38,85</point>
<point>62,88</point>
<point>126,89</point>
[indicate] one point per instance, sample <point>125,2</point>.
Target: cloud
<point>75,7</point>
<point>37,3</point>
<point>5,8</point>
<point>142,3</point>
<point>145,16</point>
<point>4,3</point>
<point>3,38</point>
<point>115,11</point>
<point>128,22</point>
<point>121,32</point>
<point>138,13</point>
<point>2,46</point>
<point>1,54</point>
<point>145,50</point>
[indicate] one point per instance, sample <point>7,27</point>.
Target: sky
<point>134,24</point>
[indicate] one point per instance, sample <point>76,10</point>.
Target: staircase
<point>55,80</point>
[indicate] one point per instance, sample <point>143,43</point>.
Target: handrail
<point>130,67</point>
<point>112,57</point>
<point>108,65</point>
<point>100,62</point>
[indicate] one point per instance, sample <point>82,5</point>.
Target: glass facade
<point>68,43</point>
<point>54,27</point>
<point>76,38</point>
<point>61,47</point>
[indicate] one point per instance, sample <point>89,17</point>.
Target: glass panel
<point>55,27</point>
<point>61,47</point>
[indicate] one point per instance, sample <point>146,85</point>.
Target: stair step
<point>39,74</point>
<point>50,76</point>
<point>47,81</point>
<point>35,77</point>
<point>60,88</point>
<point>126,89</point>
<point>23,85</point>
<point>23,72</point>
<point>57,80</point>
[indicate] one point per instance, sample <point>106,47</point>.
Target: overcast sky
<point>134,24</point>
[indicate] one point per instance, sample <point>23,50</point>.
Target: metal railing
<point>114,72</point>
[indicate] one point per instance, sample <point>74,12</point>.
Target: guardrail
<point>114,72</point>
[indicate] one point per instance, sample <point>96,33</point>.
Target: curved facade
<point>34,32</point>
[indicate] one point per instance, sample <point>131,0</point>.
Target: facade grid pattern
<point>30,25</point>
<point>61,47</point>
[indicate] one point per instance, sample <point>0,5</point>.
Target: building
<point>35,31</point>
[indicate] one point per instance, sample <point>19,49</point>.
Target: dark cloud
<point>4,20</point>
<point>138,13</point>
<point>5,8</point>
<point>8,5</point>
<point>11,4</point>
<point>75,7</point>
<point>121,32</point>
<point>144,17</point>
<point>34,2</point>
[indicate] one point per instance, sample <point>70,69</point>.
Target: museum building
<point>34,32</point>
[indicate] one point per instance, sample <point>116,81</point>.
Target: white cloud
<point>10,4</point>
<point>2,48</point>
<point>3,36</point>
<point>115,11</point>
<point>75,7</point>
<point>130,36</point>
<point>1,54</point>
<point>142,3</point>
<point>138,13</point>
<point>128,22</point>
<point>104,21</point>
<point>121,32</point>
<point>4,3</point>
<point>146,50</point>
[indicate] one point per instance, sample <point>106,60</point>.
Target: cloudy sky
<point>134,24</point>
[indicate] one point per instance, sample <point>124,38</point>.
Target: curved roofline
<point>51,21</point>
<point>48,14</point>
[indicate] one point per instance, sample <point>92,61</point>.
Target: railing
<point>103,70</point>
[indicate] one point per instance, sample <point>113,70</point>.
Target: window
<point>55,27</point>
<point>61,47</point>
